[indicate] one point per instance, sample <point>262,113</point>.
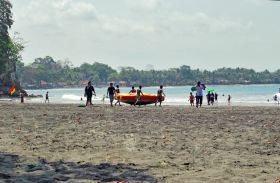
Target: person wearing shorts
<point>191,99</point>
<point>111,92</point>
<point>118,91</point>
<point>160,95</point>
<point>138,93</point>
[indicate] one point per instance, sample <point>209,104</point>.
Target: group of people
<point>210,96</point>
<point>112,92</point>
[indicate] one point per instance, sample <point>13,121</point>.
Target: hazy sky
<point>205,34</point>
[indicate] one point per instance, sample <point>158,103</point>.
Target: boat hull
<point>145,99</point>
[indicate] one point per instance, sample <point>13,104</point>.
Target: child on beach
<point>139,93</point>
<point>47,97</point>
<point>191,99</point>
<point>111,92</point>
<point>118,91</point>
<point>160,95</point>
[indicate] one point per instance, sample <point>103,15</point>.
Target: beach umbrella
<point>193,89</point>
<point>210,90</point>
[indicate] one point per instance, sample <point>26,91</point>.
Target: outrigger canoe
<point>131,98</point>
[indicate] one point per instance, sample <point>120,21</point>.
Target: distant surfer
<point>160,95</point>
<point>89,91</point>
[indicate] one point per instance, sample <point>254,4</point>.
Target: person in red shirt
<point>191,99</point>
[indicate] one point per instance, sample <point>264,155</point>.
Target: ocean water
<point>248,95</point>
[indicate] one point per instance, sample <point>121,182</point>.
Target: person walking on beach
<point>21,97</point>
<point>132,90</point>
<point>160,95</point>
<point>89,91</point>
<point>229,98</point>
<point>216,96</point>
<point>212,98</point>
<point>191,99</point>
<point>208,97</point>
<point>118,91</point>
<point>275,98</point>
<point>111,92</point>
<point>199,93</point>
<point>138,94</point>
<point>47,97</point>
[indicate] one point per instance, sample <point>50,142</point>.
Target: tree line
<point>51,71</point>
<point>10,48</point>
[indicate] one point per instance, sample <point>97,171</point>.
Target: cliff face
<point>7,76</point>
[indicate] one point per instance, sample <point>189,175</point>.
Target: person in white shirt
<point>199,93</point>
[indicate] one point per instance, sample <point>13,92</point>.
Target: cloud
<point>173,23</point>
<point>51,12</point>
<point>143,5</point>
<point>202,23</point>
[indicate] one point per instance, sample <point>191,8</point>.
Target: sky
<point>204,34</point>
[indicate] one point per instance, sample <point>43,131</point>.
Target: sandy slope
<point>171,144</point>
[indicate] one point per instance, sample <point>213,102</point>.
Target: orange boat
<point>131,98</point>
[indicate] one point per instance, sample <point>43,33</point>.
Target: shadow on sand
<point>14,169</point>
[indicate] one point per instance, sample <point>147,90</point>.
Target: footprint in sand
<point>130,142</point>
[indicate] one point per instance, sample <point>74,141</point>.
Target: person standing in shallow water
<point>199,93</point>
<point>89,91</point>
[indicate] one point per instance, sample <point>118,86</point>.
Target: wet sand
<point>66,143</point>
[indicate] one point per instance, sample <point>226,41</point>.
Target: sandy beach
<point>67,143</point>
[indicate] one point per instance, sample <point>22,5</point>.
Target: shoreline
<point>31,101</point>
<point>167,86</point>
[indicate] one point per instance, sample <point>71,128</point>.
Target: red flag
<point>12,90</point>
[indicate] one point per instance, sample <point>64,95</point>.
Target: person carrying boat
<point>160,95</point>
<point>132,90</point>
<point>111,92</point>
<point>138,94</point>
<point>118,91</point>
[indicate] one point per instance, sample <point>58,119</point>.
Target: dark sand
<point>66,143</point>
